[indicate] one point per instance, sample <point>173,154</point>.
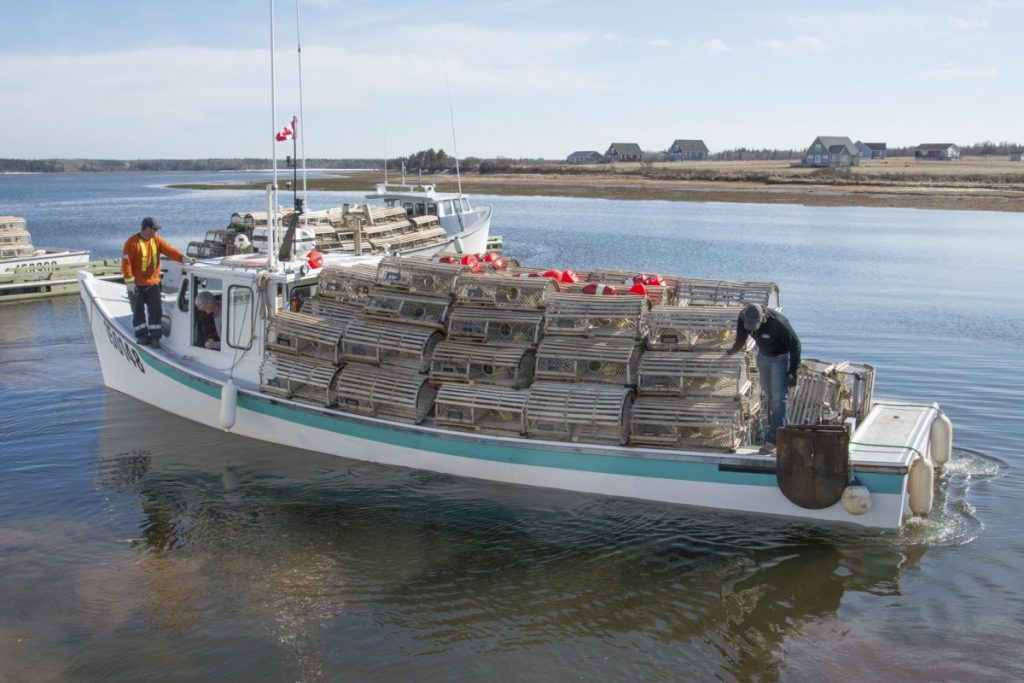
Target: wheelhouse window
<point>432,209</point>
<point>447,206</point>
<point>240,317</point>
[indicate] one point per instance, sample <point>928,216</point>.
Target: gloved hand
<point>732,351</point>
<point>791,379</point>
<point>188,261</point>
<point>130,285</point>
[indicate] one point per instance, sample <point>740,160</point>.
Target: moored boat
<point>460,367</point>
<point>18,254</point>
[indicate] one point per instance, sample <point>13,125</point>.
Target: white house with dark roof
<point>687,150</point>
<point>585,157</point>
<point>832,150</point>
<point>937,151</point>
<point>623,151</point>
<point>871,150</point>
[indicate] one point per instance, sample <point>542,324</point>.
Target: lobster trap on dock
<point>496,326</point>
<point>700,423</point>
<point>693,328</point>
<point>572,359</point>
<point>414,309</point>
<point>378,342</point>
<point>691,374</point>
<point>505,291</point>
<point>591,413</point>
<point>597,316</point>
<point>298,378</point>
<point>693,292</point>
<point>469,363</point>
<point>481,409</point>
<point>311,336</point>
<point>396,393</point>
<point>418,276</point>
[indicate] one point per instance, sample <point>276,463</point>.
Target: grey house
<point>937,151</point>
<point>585,157</point>
<point>871,150</point>
<point>623,151</point>
<point>831,150</point>
<point>688,150</point>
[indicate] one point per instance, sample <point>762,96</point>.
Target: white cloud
<point>961,24</point>
<point>959,72</point>
<point>796,46</point>
<point>715,47</point>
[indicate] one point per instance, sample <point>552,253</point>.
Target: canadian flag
<point>287,133</point>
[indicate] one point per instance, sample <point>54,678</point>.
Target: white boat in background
<point>459,218</point>
<point>18,254</point>
<point>434,365</point>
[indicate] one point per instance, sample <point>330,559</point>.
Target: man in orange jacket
<point>140,266</point>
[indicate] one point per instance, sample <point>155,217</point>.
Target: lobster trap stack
<point>488,360</point>
<point>691,393</point>
<point>390,346</point>
<point>303,354</point>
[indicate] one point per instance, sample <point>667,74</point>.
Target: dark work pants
<point>147,301</point>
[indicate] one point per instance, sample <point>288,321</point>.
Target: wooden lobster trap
<point>496,326</point>
<point>311,336</point>
<point>692,292</point>
<point>828,393</point>
<point>688,373</point>
<point>597,316</point>
<point>466,362</point>
<point>414,309</point>
<point>602,360</point>
<point>815,398</point>
<point>324,307</point>
<point>698,423</point>
<point>418,275</point>
<point>384,342</point>
<point>481,409</point>
<point>693,328</point>
<point>388,392</point>
<point>656,294</point>
<point>504,291</point>
<point>587,413</point>
<point>298,378</point>
<point>664,294</point>
<point>349,284</point>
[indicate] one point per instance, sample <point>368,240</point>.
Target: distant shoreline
<point>934,185</point>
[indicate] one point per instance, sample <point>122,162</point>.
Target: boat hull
<point>50,259</point>
<point>742,483</point>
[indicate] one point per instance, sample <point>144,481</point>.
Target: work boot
<point>142,342</point>
<point>767,449</point>
<point>155,343</point>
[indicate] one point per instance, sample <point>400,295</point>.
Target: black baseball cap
<point>150,222</point>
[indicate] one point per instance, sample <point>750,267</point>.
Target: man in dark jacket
<point>778,357</point>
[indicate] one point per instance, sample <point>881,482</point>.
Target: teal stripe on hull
<point>516,455</point>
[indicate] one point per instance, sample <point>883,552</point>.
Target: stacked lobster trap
<point>692,394</point>
<point>488,360</point>
<point>389,348</point>
<point>303,354</point>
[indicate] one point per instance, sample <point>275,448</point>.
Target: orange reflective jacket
<point>141,259</point>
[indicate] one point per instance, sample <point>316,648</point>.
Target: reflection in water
<point>339,562</point>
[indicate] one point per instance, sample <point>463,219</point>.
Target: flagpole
<point>295,166</point>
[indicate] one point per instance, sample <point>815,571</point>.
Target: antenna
<point>298,42</point>
<point>455,145</point>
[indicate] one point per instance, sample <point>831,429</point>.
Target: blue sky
<point>528,78</point>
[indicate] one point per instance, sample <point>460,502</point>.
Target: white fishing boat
<point>496,375</point>
<point>18,254</point>
<point>456,214</point>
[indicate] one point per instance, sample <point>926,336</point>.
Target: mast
<point>298,40</point>
<point>272,188</point>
